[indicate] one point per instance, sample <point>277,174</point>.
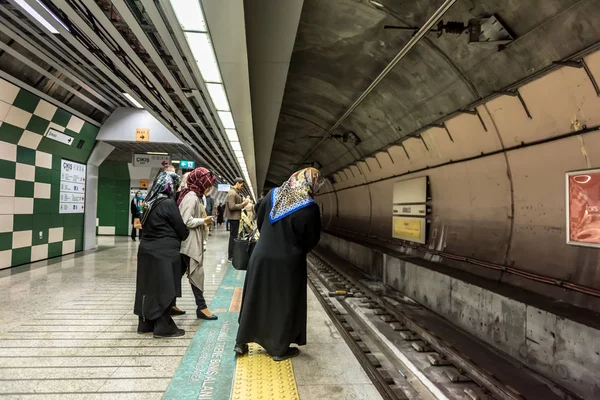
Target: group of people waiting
<point>274,302</point>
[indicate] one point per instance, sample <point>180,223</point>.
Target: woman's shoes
<point>201,314</point>
<point>290,353</point>
<point>176,311</point>
<point>176,333</point>
<point>241,348</point>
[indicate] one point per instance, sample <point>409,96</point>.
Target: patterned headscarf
<point>295,194</point>
<point>164,186</point>
<point>197,181</point>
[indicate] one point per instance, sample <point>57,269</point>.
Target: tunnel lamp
<point>132,100</point>
<point>203,52</point>
<point>226,119</point>
<point>376,4</point>
<point>232,135</point>
<point>175,162</point>
<point>236,146</point>
<point>218,96</point>
<point>190,15</point>
<point>23,4</point>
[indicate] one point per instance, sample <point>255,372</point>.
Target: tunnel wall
<point>556,347</point>
<point>497,182</point>
<point>31,227</point>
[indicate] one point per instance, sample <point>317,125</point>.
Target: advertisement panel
<point>72,187</point>
<point>410,210</point>
<point>583,208</point>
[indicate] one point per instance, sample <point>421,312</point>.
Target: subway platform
<point>68,332</point>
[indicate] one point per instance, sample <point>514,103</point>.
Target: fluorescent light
<point>232,135</point>
<point>155,153</point>
<point>175,161</point>
<point>218,96</point>
<point>226,119</point>
<point>239,154</point>
<point>132,100</point>
<point>203,52</point>
<point>190,15</point>
<point>376,4</point>
<point>236,146</point>
<point>38,17</point>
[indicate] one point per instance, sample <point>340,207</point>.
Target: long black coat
<point>273,312</point>
<point>159,264</point>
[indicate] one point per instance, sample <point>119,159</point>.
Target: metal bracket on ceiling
<point>475,111</point>
<point>419,136</point>
<point>387,150</point>
<point>377,159</point>
<point>444,127</point>
<point>344,171</point>
<point>367,164</point>
<point>405,152</point>
<point>581,64</point>
<point>517,94</point>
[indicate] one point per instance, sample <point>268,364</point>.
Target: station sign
<point>583,208</point>
<point>142,135</point>
<point>72,187</point>
<point>183,164</point>
<point>150,160</point>
<point>59,137</point>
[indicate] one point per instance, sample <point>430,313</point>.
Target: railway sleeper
<point>477,394</point>
<point>409,336</point>
<point>385,375</point>
<point>437,360</point>
<point>456,376</point>
<point>422,347</point>
<point>398,326</point>
<point>373,360</point>
<point>387,318</point>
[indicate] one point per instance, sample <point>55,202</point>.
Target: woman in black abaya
<point>159,264</point>
<point>273,312</point>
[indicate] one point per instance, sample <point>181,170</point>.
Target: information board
<point>583,208</point>
<point>223,188</point>
<point>410,210</point>
<point>72,187</point>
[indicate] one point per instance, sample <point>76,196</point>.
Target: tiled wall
<point>31,228</point>
<point>113,199</point>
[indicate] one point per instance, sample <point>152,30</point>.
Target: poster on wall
<point>409,210</point>
<point>72,187</point>
<point>583,208</point>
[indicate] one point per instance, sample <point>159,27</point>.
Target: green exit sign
<point>186,164</point>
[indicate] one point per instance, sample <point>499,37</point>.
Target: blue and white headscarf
<point>295,194</point>
<point>164,186</point>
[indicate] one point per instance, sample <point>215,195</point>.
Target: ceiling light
<point>38,17</point>
<point>232,135</point>
<point>239,155</point>
<point>203,52</point>
<point>376,4</point>
<point>132,100</point>
<point>236,146</point>
<point>175,161</point>
<point>218,96</point>
<point>189,14</point>
<point>226,119</point>
<point>157,153</point>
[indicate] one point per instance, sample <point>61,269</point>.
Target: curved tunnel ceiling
<point>342,46</point>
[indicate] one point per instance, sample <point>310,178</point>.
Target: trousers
<point>234,227</point>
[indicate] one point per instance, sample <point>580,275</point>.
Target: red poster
<point>583,208</point>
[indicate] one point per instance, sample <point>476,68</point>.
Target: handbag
<point>137,224</point>
<point>242,250</point>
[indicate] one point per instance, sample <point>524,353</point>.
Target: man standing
<point>209,205</point>
<point>233,212</point>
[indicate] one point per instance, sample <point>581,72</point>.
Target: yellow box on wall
<point>411,229</point>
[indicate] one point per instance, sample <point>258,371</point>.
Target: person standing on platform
<point>210,208</point>
<point>176,310</point>
<point>136,212</point>
<point>233,209</point>
<point>221,214</point>
<point>199,182</point>
<point>158,280</point>
<point>273,312</point>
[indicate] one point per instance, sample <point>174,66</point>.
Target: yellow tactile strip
<point>258,377</point>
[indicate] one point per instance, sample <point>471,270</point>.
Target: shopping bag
<point>137,224</point>
<point>242,250</point>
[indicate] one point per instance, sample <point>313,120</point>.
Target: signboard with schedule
<point>72,187</point>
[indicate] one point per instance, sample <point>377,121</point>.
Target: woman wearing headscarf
<point>198,183</point>
<point>136,212</point>
<point>273,312</point>
<point>247,222</point>
<point>158,280</point>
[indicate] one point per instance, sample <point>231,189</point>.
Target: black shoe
<point>177,333</point>
<point>201,315</point>
<point>241,349</point>
<point>145,326</point>
<point>176,311</point>
<point>290,353</point>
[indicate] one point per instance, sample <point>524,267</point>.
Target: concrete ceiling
<point>341,47</point>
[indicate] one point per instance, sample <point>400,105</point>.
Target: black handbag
<point>242,250</point>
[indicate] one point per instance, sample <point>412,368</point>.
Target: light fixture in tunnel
<point>218,96</point>
<point>132,100</point>
<point>376,4</point>
<point>203,52</point>
<point>23,4</point>
<point>157,153</point>
<point>236,146</point>
<point>175,161</point>
<point>226,119</point>
<point>232,135</point>
<point>190,15</point>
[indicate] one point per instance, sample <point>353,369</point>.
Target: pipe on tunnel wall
<point>497,184</point>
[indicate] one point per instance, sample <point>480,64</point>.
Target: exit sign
<point>186,164</point>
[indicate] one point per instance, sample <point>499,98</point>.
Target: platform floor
<point>67,331</point>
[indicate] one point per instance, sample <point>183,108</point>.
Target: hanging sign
<point>143,183</point>
<point>59,137</point>
<point>72,187</point>
<point>223,188</point>
<point>150,160</point>
<point>583,208</point>
<point>142,135</point>
<point>186,164</point>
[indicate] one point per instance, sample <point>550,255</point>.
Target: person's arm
<point>173,216</point>
<point>134,210</point>
<point>187,208</point>
<point>312,228</point>
<point>231,204</point>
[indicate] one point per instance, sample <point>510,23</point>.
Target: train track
<point>448,375</point>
